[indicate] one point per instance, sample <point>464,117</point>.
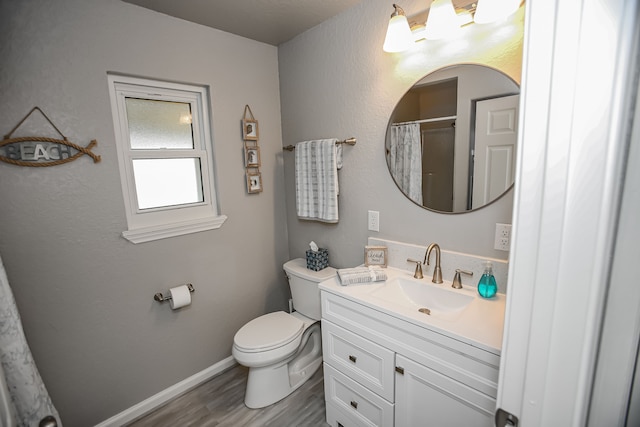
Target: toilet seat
<point>268,332</point>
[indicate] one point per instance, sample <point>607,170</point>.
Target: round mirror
<point>451,140</point>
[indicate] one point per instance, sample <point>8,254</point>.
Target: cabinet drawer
<point>360,359</point>
<point>361,406</point>
<point>339,418</point>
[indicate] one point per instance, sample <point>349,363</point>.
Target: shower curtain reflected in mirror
<point>405,159</point>
<point>24,400</point>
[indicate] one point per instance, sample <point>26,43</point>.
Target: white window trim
<point>160,223</point>
<point>148,234</point>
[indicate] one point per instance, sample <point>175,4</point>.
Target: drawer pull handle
<point>400,370</point>
<point>352,358</point>
<point>354,404</point>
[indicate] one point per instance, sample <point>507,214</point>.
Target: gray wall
<point>85,294</point>
<point>337,82</point>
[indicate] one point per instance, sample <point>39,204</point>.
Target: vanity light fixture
<point>399,37</point>
<point>418,31</point>
<point>465,16</point>
<point>494,10</point>
<point>442,21</point>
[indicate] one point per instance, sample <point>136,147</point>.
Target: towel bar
<point>348,141</point>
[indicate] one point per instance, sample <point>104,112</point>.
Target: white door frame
<point>618,351</point>
<point>578,62</point>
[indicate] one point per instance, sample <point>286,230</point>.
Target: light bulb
<point>442,21</point>
<point>399,37</point>
<point>493,10</point>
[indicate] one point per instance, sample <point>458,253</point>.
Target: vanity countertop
<point>479,324</point>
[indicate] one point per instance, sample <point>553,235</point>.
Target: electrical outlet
<point>502,237</point>
<point>373,223</point>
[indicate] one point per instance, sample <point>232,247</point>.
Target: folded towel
<point>317,180</point>
<point>350,276</point>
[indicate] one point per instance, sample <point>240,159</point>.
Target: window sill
<point>164,231</point>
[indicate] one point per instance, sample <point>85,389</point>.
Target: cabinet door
<point>426,398</point>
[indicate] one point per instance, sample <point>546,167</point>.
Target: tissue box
<point>316,261</point>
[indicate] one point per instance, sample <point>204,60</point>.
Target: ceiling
<point>268,21</point>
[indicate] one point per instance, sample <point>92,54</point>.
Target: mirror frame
<point>391,118</point>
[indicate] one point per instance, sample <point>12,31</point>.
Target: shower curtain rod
<point>348,141</point>
<point>437,119</point>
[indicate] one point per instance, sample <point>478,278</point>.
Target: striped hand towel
<point>317,180</point>
<point>350,276</point>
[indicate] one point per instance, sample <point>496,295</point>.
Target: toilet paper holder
<point>160,298</point>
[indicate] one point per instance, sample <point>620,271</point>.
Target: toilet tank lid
<point>299,268</point>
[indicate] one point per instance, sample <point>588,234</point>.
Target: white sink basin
<point>432,296</point>
<point>437,300</point>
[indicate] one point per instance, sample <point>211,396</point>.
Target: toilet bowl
<point>282,350</point>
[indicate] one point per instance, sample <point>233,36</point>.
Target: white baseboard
<point>167,394</point>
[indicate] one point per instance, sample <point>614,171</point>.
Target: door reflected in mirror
<point>451,140</point>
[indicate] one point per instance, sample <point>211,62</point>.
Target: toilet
<point>283,350</point>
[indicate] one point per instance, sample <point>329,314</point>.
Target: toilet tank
<point>304,286</point>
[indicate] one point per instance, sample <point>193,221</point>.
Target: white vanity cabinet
<point>382,370</point>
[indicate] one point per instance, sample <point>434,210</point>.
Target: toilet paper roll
<point>180,296</point>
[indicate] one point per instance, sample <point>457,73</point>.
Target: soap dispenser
<point>487,286</point>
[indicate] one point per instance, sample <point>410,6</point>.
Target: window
<point>164,147</point>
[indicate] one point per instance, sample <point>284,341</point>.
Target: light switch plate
<point>373,222</point>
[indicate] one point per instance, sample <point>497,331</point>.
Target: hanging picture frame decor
<point>254,182</point>
<point>252,157</point>
<point>250,130</point>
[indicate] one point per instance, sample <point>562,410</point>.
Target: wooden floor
<point>219,402</point>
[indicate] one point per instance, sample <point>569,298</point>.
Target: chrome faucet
<point>437,271</point>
